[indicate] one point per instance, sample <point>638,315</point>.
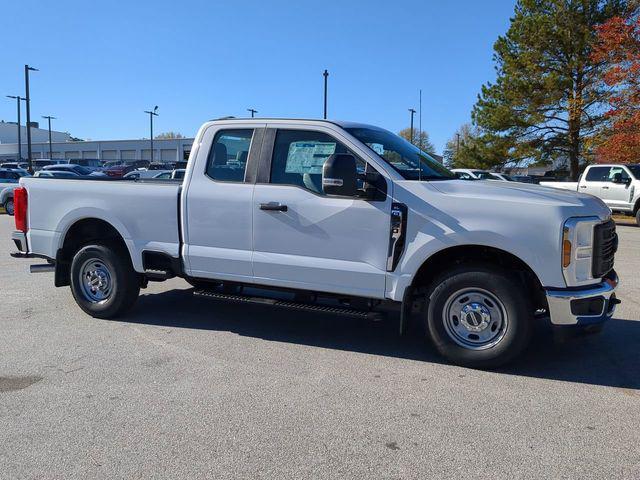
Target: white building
<point>63,148</point>
<point>9,133</point>
<point>168,150</point>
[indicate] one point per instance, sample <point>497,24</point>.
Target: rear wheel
<point>8,206</point>
<point>103,281</point>
<point>479,316</point>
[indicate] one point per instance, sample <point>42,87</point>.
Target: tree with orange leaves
<point>618,47</point>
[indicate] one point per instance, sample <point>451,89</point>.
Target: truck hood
<point>518,193</point>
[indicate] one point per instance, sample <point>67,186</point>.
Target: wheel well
<point>82,233</point>
<point>465,254</point>
<point>636,207</point>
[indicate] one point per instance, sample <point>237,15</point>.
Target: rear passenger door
<point>218,215</point>
<point>306,239</point>
<point>595,179</point>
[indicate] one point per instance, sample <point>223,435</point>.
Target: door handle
<point>605,188</point>
<point>583,186</point>
<point>273,207</point>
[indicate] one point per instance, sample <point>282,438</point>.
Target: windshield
<point>404,157</point>
<point>635,169</point>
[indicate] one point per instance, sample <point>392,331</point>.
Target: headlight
<point>577,250</point>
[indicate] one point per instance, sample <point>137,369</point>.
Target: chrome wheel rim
<point>96,281</point>
<point>9,207</point>
<point>475,318</point>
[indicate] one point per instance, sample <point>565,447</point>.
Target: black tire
<point>507,328</point>
<point>122,279</point>
<point>8,207</point>
<point>638,217</point>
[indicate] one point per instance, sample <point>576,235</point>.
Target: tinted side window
<point>299,155</point>
<point>228,155</point>
<point>598,174</point>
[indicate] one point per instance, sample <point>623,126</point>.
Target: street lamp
<point>152,113</point>
<point>325,74</point>
<point>28,69</point>
<point>252,111</point>
<point>49,118</point>
<point>17,99</point>
<point>412,113</point>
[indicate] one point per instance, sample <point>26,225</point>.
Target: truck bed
<point>145,213</point>
<point>561,185</point>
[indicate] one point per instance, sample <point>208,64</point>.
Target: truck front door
<point>616,195</point>
<point>308,240</point>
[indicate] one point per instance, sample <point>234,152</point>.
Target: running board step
<point>290,304</point>
<point>158,274</point>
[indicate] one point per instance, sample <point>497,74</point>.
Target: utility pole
<point>28,69</point>
<point>420,133</point>
<point>49,118</point>
<point>152,113</point>
<point>252,111</point>
<point>326,76</point>
<point>412,112</point>
<point>457,143</point>
<point>17,98</point>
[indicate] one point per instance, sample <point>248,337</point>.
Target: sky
<point>102,63</point>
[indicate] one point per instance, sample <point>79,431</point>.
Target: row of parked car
<point>476,174</point>
<point>11,172</point>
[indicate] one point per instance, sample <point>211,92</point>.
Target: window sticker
<point>308,157</point>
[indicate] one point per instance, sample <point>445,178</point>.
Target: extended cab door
<point>306,239</point>
<point>218,212</point>
<point>593,180</point>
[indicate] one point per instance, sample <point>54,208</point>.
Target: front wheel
<point>8,206</point>
<point>479,316</point>
<point>103,281</point>
<point>638,217</point>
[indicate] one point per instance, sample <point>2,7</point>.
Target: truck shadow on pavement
<point>608,359</point>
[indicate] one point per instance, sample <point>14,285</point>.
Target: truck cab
<point>617,185</point>
<point>335,214</point>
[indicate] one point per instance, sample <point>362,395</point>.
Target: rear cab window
<point>227,160</point>
<point>598,174</point>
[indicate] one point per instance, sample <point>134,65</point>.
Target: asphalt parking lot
<point>193,388</point>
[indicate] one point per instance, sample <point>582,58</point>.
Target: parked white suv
<point>617,185</point>
<point>350,219</point>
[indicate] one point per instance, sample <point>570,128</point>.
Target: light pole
<point>49,118</point>
<point>457,143</point>
<point>252,111</point>
<point>152,113</point>
<point>28,69</point>
<point>17,99</point>
<point>412,112</point>
<point>325,74</point>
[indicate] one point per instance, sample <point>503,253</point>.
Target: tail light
<point>20,208</point>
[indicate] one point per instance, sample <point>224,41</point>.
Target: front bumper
<point>586,306</point>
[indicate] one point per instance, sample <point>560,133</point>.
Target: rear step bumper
<point>20,240</point>
<point>289,304</point>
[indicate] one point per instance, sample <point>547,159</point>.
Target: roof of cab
<point>311,121</point>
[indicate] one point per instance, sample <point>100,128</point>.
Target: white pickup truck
<point>617,185</point>
<point>342,217</point>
